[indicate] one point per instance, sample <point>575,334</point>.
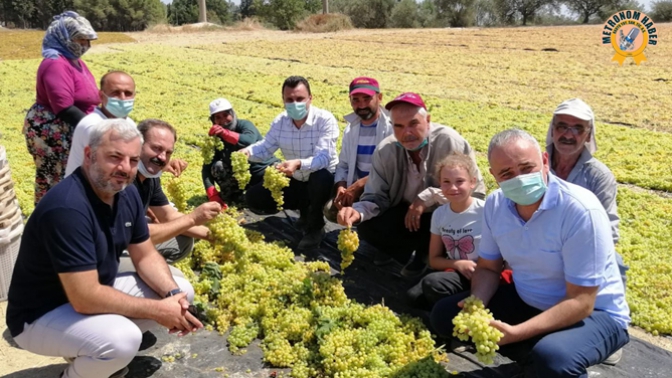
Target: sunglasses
<point>576,130</point>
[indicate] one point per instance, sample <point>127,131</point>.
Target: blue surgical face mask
<point>524,189</point>
<point>119,108</point>
<point>423,144</point>
<point>296,110</point>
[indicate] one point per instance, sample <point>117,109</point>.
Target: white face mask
<point>143,171</point>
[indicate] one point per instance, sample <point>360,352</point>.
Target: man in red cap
<point>368,125</point>
<point>390,214</point>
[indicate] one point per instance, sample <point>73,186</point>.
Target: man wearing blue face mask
<point>566,309</point>
<point>306,136</point>
<point>392,214</point>
<point>117,96</point>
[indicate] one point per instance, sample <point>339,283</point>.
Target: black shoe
<point>414,268</point>
<point>380,259</point>
<point>118,374</point>
<point>302,223</point>
<point>312,239</point>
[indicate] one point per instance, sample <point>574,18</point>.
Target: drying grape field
<point>479,81</point>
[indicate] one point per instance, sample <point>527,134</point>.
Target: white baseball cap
<point>220,105</point>
<point>576,108</point>
<point>579,109</point>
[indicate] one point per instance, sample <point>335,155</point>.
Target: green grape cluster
<point>177,194</point>
<point>208,147</point>
<point>241,169</point>
<point>301,313</point>
<point>424,368</point>
<point>275,181</point>
<point>474,322</point>
<point>348,243</point>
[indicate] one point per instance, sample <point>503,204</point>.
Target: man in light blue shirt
<point>566,307</point>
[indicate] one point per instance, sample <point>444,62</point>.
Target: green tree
<point>186,12</point>
<point>427,14</point>
<point>588,8</point>
<point>405,15</point>
<point>619,5</point>
<point>121,15</point>
<point>284,14</point>
<point>23,11</point>
<point>662,11</point>
<point>457,13</point>
<point>485,13</point>
<point>510,11</point>
<point>365,13</point>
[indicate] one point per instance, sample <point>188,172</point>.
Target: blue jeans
<point>564,353</point>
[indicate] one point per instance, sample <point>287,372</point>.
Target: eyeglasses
<point>576,130</point>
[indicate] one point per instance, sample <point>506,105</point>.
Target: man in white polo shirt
<point>117,96</point>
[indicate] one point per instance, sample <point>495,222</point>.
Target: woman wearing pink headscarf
<point>66,92</point>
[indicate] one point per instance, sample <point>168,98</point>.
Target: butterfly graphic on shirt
<point>463,246</point>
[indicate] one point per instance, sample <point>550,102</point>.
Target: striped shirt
<point>314,143</point>
<point>365,148</point>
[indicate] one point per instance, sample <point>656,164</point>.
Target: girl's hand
<point>465,267</point>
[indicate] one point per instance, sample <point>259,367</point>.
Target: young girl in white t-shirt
<point>455,231</point>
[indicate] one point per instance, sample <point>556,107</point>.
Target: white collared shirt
<point>314,144</point>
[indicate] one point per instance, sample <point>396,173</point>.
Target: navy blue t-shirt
<point>71,230</point>
<point>151,193</point>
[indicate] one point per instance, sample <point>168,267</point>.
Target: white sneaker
<point>614,358</point>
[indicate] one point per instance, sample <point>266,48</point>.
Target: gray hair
<point>422,111</point>
<point>126,130</point>
<point>507,136</point>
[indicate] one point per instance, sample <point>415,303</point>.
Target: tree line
<point>134,15</point>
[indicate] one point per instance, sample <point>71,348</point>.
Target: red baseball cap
<point>408,98</point>
<point>365,85</point>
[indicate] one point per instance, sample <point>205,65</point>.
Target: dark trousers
<point>436,286</point>
<point>390,236</point>
<point>308,197</point>
<point>564,353</point>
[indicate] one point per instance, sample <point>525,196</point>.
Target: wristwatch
<point>173,292</point>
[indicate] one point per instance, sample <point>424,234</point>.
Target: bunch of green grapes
<point>275,181</point>
<point>208,147</point>
<point>227,237</point>
<point>241,336</point>
<point>177,194</point>
<point>241,169</point>
<point>474,322</point>
<point>348,243</point>
<point>425,367</point>
<point>302,314</point>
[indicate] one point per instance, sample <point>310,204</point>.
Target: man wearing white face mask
<point>566,309</point>
<point>172,232</point>
<point>306,136</point>
<point>117,97</point>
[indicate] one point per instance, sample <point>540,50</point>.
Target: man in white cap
<point>392,214</point>
<point>235,134</point>
<point>570,143</point>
